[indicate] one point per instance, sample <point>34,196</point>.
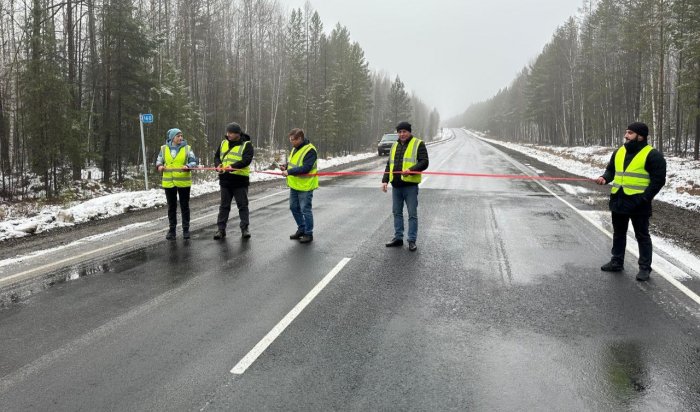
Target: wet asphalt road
<point>503,307</point>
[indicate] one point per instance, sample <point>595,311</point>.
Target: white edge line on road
<point>20,275</point>
<point>673,281</point>
<point>661,272</point>
<point>266,341</point>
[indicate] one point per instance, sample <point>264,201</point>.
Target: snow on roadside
<point>683,175</point>
<point>51,217</point>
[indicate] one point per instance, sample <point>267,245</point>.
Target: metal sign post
<point>144,118</point>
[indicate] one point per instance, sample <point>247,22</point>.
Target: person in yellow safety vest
<point>233,158</point>
<point>302,160</point>
<point>407,155</point>
<point>174,161</point>
<point>637,172</point>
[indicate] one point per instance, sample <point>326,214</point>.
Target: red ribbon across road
<point>372,172</point>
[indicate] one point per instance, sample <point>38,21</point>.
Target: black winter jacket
<point>230,179</point>
<point>422,163</point>
<point>637,204</point>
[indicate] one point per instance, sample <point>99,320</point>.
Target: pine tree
<point>399,103</point>
<point>173,107</point>
<point>296,87</point>
<point>126,81</point>
<point>44,111</point>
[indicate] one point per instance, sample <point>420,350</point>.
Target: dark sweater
<point>229,179</point>
<point>421,163</point>
<point>637,204</point>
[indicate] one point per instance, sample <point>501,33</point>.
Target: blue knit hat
<point>172,133</point>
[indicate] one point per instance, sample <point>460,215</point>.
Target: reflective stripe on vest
<point>296,159</point>
<point>410,158</point>
<point>176,178</point>
<point>234,155</point>
<point>635,179</point>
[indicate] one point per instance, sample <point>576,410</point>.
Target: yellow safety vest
<point>410,158</point>
<point>232,156</point>
<point>635,179</point>
<point>296,159</point>
<point>176,178</point>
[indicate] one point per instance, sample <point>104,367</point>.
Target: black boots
<point>612,266</point>
<point>171,234</point>
<point>412,246</point>
<point>297,235</point>
<point>643,274</point>
<point>221,234</point>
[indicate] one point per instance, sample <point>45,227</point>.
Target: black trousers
<point>640,223</point>
<point>227,195</point>
<point>171,194</point>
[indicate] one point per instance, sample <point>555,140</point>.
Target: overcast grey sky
<point>450,52</point>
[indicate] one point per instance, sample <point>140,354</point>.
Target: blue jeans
<point>409,195</point>
<point>300,205</point>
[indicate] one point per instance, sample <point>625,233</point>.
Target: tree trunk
<point>75,155</point>
<point>679,126</point>
<point>696,151</point>
<point>662,50</point>
<point>5,169</point>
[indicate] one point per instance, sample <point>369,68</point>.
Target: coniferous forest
<point>618,61</point>
<point>75,75</point>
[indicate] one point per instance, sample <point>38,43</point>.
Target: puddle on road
<point>23,291</point>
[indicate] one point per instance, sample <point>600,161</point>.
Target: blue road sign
<point>147,118</point>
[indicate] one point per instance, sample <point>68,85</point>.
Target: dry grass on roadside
<point>690,188</point>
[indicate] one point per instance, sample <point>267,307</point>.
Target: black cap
<point>403,126</point>
<point>234,128</point>
<point>639,128</point>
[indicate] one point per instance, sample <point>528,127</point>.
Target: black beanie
<point>639,128</point>
<point>403,126</point>
<point>234,128</point>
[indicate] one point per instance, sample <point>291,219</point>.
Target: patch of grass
<point>690,188</point>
